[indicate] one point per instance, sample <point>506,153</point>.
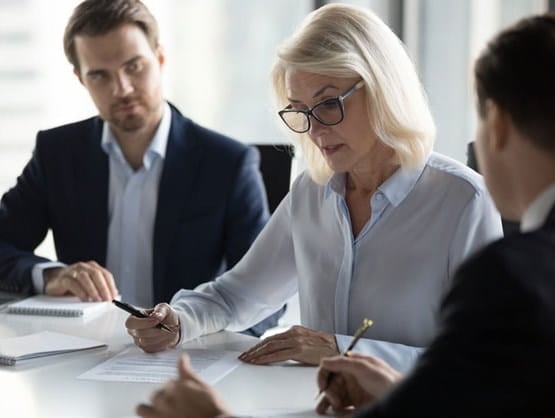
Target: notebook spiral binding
<point>45,311</point>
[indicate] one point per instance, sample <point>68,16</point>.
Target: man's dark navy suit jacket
<point>211,205</point>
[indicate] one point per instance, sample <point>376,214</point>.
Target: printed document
<point>133,365</point>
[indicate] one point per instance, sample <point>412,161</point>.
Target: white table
<point>48,387</point>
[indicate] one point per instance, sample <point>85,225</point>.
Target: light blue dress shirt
<point>423,223</point>
<point>132,201</point>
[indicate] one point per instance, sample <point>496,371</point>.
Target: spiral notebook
<point>41,344</point>
<point>56,306</point>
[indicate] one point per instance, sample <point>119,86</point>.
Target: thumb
<point>186,372</point>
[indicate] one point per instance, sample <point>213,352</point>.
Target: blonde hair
<point>339,40</point>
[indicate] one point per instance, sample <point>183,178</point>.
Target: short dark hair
<point>98,17</point>
<point>517,72</point>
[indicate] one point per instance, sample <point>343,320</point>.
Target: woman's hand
<point>299,343</point>
<point>150,338</point>
<point>186,397</point>
<point>357,380</point>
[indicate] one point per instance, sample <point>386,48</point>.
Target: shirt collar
<point>536,214</point>
<point>157,146</point>
<point>395,188</point>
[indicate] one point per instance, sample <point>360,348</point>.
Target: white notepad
<point>40,344</point>
<point>56,306</point>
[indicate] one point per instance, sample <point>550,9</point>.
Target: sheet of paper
<point>133,365</point>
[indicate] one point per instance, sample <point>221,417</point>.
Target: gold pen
<point>366,323</point>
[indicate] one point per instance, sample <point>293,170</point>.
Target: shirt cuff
<point>399,356</point>
<point>38,276</point>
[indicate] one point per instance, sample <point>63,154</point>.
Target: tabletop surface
<point>48,387</point>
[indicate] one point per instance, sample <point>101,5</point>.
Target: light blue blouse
<point>423,223</point>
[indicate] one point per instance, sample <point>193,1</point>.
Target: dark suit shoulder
<point>512,279</point>
<point>71,133</point>
<point>516,256</point>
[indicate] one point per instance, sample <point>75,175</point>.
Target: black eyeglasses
<point>328,112</point>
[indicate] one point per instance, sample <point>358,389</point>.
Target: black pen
<point>366,323</point>
<point>139,314</point>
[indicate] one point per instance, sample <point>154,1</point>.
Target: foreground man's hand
<point>358,380</point>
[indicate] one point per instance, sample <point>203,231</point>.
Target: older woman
<point>374,229</point>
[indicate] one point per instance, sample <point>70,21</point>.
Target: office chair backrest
<point>275,165</point>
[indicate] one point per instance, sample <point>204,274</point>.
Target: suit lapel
<point>180,165</point>
<point>91,188</point>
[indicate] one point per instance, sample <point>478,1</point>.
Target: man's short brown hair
<point>517,72</point>
<point>98,17</point>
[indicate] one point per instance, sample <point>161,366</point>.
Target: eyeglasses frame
<point>310,112</point>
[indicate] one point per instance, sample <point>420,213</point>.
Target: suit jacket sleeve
<point>495,343</point>
<point>247,211</point>
<point>24,223</point>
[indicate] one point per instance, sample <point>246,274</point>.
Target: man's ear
<point>160,55</point>
<point>498,126</point>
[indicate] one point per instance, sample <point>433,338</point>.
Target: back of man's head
<point>517,72</point>
<point>98,17</point>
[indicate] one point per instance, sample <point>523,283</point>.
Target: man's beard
<point>129,123</point>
